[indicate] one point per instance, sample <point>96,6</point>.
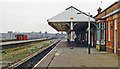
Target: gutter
<point>112,13</point>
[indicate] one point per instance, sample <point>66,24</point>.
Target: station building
<point>75,23</point>
<point>21,37</point>
<point>108,28</point>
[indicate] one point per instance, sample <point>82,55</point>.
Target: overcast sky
<point>32,15</point>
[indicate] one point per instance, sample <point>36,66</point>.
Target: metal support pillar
<point>89,34</point>
<point>71,28</point>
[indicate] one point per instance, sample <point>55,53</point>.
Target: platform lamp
<point>88,30</point>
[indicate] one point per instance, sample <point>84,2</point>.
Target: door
<point>20,37</point>
<point>115,35</point>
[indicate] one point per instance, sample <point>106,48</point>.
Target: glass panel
<point>98,35</point>
<point>98,25</point>
<point>102,34</point>
<point>115,35</point>
<point>102,25</point>
<point>115,23</point>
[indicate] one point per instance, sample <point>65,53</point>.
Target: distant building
<point>10,34</point>
<point>21,37</point>
<point>31,35</point>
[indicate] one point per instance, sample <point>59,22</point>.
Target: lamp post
<point>89,33</point>
<point>88,30</point>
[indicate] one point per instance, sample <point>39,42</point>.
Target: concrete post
<point>89,34</point>
<point>71,31</point>
<point>71,28</point>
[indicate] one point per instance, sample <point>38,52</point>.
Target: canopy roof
<point>71,14</point>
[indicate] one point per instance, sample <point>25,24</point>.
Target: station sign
<point>71,18</point>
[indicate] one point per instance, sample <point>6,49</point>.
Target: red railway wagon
<point>21,37</point>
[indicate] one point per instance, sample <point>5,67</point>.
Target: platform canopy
<point>61,21</point>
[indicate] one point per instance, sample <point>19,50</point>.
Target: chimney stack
<point>99,10</point>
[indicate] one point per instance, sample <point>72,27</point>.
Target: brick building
<point>108,28</point>
<point>21,37</point>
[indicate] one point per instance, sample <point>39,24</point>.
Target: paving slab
<point>79,57</point>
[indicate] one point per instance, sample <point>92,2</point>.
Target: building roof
<point>107,8</point>
<point>69,13</point>
<point>21,34</point>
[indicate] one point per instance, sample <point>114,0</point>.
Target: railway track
<point>30,63</point>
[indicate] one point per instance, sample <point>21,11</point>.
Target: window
<point>102,31</point>
<point>115,24</point>
<point>102,26</point>
<point>98,36</point>
<point>98,26</point>
<point>108,30</point>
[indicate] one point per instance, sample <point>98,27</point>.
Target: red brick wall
<point>110,45</point>
<point>110,50</point>
<point>118,31</point>
<point>23,37</point>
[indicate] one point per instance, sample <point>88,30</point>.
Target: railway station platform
<point>17,42</point>
<point>63,56</point>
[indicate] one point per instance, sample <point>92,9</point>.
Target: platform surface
<point>16,42</point>
<point>63,56</point>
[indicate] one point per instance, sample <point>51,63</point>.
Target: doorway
<point>20,37</point>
